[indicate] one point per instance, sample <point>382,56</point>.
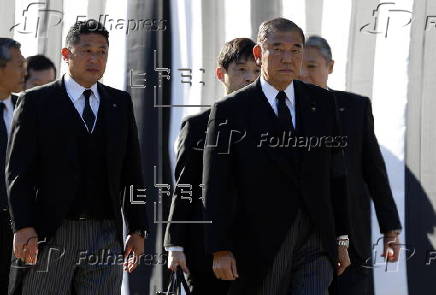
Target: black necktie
<point>283,112</point>
<point>88,116</point>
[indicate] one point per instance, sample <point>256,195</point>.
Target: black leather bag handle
<point>177,280</point>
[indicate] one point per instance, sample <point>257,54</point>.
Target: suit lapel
<point>263,116</point>
<point>111,122</point>
<point>65,110</point>
<point>66,118</point>
<point>346,112</point>
<point>306,109</point>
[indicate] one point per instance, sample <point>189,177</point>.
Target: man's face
<point>87,59</point>
<point>239,74</point>
<point>315,68</point>
<point>281,55</point>
<point>38,78</point>
<point>13,74</point>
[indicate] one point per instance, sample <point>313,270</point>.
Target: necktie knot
<point>281,96</point>
<point>87,93</point>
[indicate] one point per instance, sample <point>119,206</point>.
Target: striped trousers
<point>83,257</point>
<point>301,267</point>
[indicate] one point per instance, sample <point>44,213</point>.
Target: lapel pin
<point>114,105</point>
<point>313,109</point>
<point>341,109</point>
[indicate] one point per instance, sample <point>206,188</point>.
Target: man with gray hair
<point>367,176</point>
<point>12,72</point>
<point>278,208</point>
<point>317,62</point>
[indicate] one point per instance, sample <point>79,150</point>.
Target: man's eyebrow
<point>105,46</point>
<point>299,45</point>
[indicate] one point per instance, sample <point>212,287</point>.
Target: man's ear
<point>65,52</point>
<point>330,66</point>
<point>257,53</point>
<point>219,73</point>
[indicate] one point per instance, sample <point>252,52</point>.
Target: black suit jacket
<point>250,187</point>
<point>189,167</point>
<point>3,190</point>
<point>367,176</point>
<point>42,171</point>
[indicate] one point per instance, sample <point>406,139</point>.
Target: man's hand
<point>224,265</point>
<point>177,258</point>
<point>26,245</point>
<point>133,252</point>
<point>391,246</point>
<point>344,259</point>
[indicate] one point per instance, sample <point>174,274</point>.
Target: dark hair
<point>279,24</point>
<point>322,45</point>
<point>235,50</point>
<point>91,26</point>
<point>39,63</point>
<point>5,54</point>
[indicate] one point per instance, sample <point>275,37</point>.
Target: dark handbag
<point>16,276</point>
<point>177,282</point>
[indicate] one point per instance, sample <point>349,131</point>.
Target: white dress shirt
<point>75,92</point>
<point>271,93</point>
<point>8,113</point>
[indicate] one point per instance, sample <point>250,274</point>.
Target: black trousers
<point>301,266</point>
<point>356,279</point>
<point>6,240</point>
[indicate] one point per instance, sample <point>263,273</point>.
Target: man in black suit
<point>184,235</point>
<point>73,151</point>
<point>12,72</point>
<point>367,177</point>
<point>275,185</point>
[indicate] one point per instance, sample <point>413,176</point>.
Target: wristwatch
<point>343,242</point>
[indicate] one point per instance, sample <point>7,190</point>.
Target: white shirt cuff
<point>174,248</point>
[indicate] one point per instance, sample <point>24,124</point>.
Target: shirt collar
<point>8,103</point>
<point>75,90</point>
<point>271,93</point>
